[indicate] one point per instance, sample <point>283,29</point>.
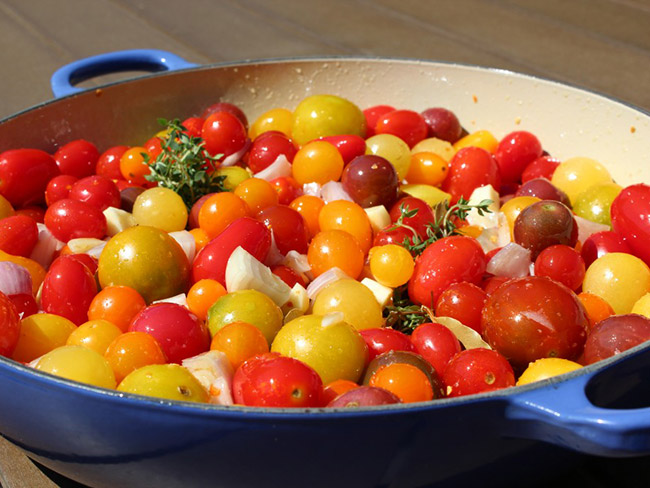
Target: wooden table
<point>603,45</point>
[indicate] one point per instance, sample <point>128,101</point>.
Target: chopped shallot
<point>512,261</point>
<point>280,167</point>
<point>14,279</point>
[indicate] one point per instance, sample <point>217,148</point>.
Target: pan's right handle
<point>566,417</point>
<point>64,79</point>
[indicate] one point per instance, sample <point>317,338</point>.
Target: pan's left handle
<point>563,414</point>
<point>64,79</point>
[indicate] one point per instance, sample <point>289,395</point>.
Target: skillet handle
<point>566,416</point>
<point>64,79</point>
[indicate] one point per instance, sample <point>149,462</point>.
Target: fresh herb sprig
<point>403,314</point>
<point>443,225</point>
<point>184,166</point>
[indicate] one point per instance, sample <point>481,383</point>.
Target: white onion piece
<point>312,189</point>
<point>497,236</point>
<point>180,299</point>
<point>274,256</point>
<point>512,261</point>
<point>14,279</point>
<point>234,158</point>
<point>468,337</point>
<point>46,246</point>
<point>329,276</point>
<point>586,228</point>
<point>280,167</point>
<point>333,190</point>
<point>97,250</point>
<point>186,241</point>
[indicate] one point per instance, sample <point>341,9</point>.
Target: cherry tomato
<point>220,210</point>
<point>534,317</point>
<point>350,146</point>
<point>68,289</point>
<point>445,262</point>
<point>542,167</point>
<point>631,218</point>
<point>24,175</point>
<point>515,152</point>
<point>59,188</point>
<point>372,116</point>
<point>133,350</point>
<point>9,326</point>
<point>614,335</point>
<point>96,190</point>
<point>442,124</point>
<point>211,261</point>
<point>133,166</point>
<point>239,341</point>
<point>463,302</point>
<point>18,235</point>
<point>405,124</point>
<point>335,249</point>
<point>224,134</point>
<point>371,180</point>
<point>288,275</point>
<point>435,343</point>
<point>477,371</point>
<point>225,107</point>
<point>405,381</point>
<point>309,207</point>
<point>288,189</point>
<point>180,333</point>
<point>418,221</point>
<point>265,149</point>
<point>562,264</point>
<point>470,168</point>
<point>108,163</point>
<point>193,126</point>
<point>202,296</point>
<point>25,304</point>
<point>257,193</point>
<point>116,304</point>
<point>77,158</point>
<point>381,340</point>
<point>70,219</point>
<point>271,380</point>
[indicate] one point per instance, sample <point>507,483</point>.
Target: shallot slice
<point>234,158</point>
<point>333,190</point>
<point>14,279</point>
<point>512,261</point>
<point>280,167</point>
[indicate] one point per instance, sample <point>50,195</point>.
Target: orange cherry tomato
<point>309,207</point>
<point>133,350</point>
<point>116,304</point>
<point>335,248</point>
<point>257,193</point>
<point>406,381</point>
<point>202,295</point>
<point>239,341</point>
<point>133,166</point>
<point>219,211</point>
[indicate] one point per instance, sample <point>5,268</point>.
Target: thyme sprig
<point>444,223</point>
<point>403,314</point>
<point>184,166</point>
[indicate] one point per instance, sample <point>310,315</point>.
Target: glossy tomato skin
<point>288,227</point>
<point>477,371</point>
<point>614,335</point>
<point>443,124</point>
<point>381,340</point>
<point>405,124</point>
<point>18,235</point>
<point>97,190</point>
<point>463,302</point>
<point>68,289</point>
<point>225,107</point>
<point>271,380</point>
<point>71,219</point>
<point>631,218</point>
<point>287,188</point>
<point>470,168</point>
<point>77,158</point>
<point>350,146</point>
<point>246,232</point>
<point>535,317</point>
<point>59,188</point>
<point>24,175</point>
<point>266,148</point>
<point>515,152</point>
<point>542,167</point>
<point>179,332</point>
<point>419,221</point>
<point>435,343</point>
<point>372,115</point>
<point>223,134</point>
<point>193,126</point>
<point>601,243</point>
<point>9,326</point>
<point>445,262</point>
<point>108,163</point>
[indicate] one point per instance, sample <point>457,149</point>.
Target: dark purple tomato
<point>364,396</point>
<point>601,243</point>
<point>443,124</point>
<point>128,197</point>
<point>371,180</point>
<point>544,190</point>
<point>477,371</point>
<point>614,335</point>
<point>545,224</point>
<point>530,318</point>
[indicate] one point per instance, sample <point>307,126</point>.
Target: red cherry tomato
<point>463,302</point>
<point>445,262</point>
<point>601,243</point>
<point>288,227</point>
<point>226,107</point>
<point>562,264</point>
<point>288,189</point>
<point>491,283</point>
<point>435,343</point>
<point>87,260</point>
<point>77,158</point>
<point>271,380</point>
<point>24,175</point>
<point>419,221</point>
<point>405,124</point>
<point>70,219</point>
<point>631,218</point>
<point>266,148</point>
<point>477,371</point>
<point>108,163</point>
<point>288,275</point>
<point>99,191</point>
<point>535,317</point>
<point>395,236</point>
<point>9,326</point>
<point>614,335</point>
<point>193,126</point>
<point>516,151</point>
<point>59,188</point>
<point>68,289</point>
<point>542,167</point>
<point>470,168</point>
<point>25,304</point>
<point>36,213</point>
<point>372,115</point>
<point>18,235</point>
<point>381,340</point>
<point>350,146</point>
<point>153,147</point>
<point>223,134</point>
<point>248,233</point>
<point>179,332</point>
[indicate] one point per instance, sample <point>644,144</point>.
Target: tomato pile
<point>324,256</point>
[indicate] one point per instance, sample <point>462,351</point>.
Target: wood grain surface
<point>602,45</point>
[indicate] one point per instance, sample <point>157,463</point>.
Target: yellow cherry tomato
<point>546,368</point>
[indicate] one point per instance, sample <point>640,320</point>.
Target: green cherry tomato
<point>326,115</point>
<point>168,381</point>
